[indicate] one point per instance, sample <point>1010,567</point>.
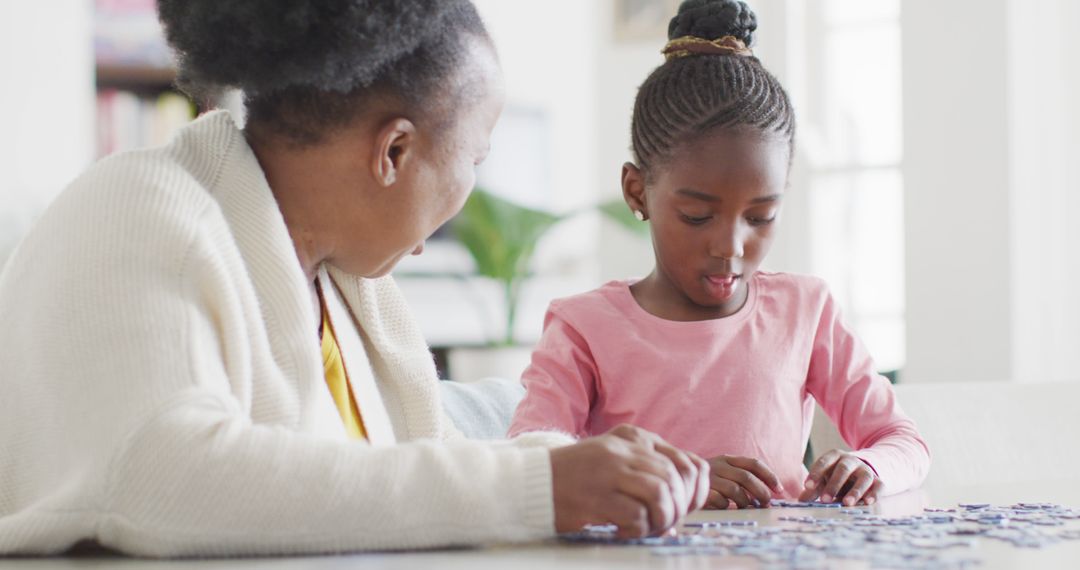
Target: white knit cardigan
<point>162,389</point>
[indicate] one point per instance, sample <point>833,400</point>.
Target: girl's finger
<point>863,479</point>
<point>752,486</point>
<point>819,470</point>
<point>731,490</point>
<point>841,472</point>
<point>871,496</point>
<point>716,500</point>
<point>759,470</point>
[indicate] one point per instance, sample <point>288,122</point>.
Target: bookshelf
<point>134,77</point>
<point>137,103</point>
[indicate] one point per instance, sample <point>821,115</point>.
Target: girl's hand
<point>628,477</point>
<point>839,475</point>
<point>741,480</point>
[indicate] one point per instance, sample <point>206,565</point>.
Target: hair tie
<point>691,45</point>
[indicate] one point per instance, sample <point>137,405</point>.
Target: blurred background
<point>935,186</point>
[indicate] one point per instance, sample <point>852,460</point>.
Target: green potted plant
<point>501,237</point>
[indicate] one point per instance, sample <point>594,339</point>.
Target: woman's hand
<point>741,480</point>
<point>628,477</point>
<point>839,475</point>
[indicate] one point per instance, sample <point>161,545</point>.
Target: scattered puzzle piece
<point>931,540</point>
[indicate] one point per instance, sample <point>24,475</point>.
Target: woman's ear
<point>395,145</point>
<point>633,189</point>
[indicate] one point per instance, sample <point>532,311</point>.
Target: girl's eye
<point>695,220</point>
<point>761,221</point>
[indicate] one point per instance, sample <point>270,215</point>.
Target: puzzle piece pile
<point>935,539</point>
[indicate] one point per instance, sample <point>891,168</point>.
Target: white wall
<point>1044,198</point>
<point>46,61</point>
<point>958,256</point>
<point>548,66</point>
<point>991,189</point>
<point>621,68</point>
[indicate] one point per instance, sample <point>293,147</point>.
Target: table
<point>553,554</point>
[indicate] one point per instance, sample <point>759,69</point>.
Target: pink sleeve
<point>863,405</point>
<point>559,383</point>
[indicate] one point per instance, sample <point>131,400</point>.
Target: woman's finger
<point>659,458</point>
<point>629,515</point>
<point>687,470</point>
<point>655,494</point>
<point>701,493</point>
<point>658,465</point>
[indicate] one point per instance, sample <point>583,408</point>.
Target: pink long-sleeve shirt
<point>740,385</point>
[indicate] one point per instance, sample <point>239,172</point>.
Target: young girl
<point>716,356</point>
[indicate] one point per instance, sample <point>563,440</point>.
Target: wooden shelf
<point>135,76</point>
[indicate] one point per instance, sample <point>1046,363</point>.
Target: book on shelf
<point>137,106</point>
<point>126,121</point>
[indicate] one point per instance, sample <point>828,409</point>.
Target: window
<point>851,140</point>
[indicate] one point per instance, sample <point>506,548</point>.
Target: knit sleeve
<point>862,404</point>
<point>195,476</point>
<point>199,479</point>
<point>560,382</point>
<point>133,405</point>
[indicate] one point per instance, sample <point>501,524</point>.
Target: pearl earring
<point>640,217</point>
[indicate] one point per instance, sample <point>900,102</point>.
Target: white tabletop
<point>993,554</point>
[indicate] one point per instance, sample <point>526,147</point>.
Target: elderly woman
<point>200,353</point>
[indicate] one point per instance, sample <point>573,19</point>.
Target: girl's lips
<point>722,279</point>
<point>722,287</point>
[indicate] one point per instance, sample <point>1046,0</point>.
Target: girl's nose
<point>727,242</point>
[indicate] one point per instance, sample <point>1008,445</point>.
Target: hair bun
<point>713,19</point>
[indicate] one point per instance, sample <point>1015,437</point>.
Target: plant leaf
<point>500,235</point>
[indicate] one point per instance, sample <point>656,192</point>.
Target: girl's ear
<point>633,190</point>
<point>395,145</point>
